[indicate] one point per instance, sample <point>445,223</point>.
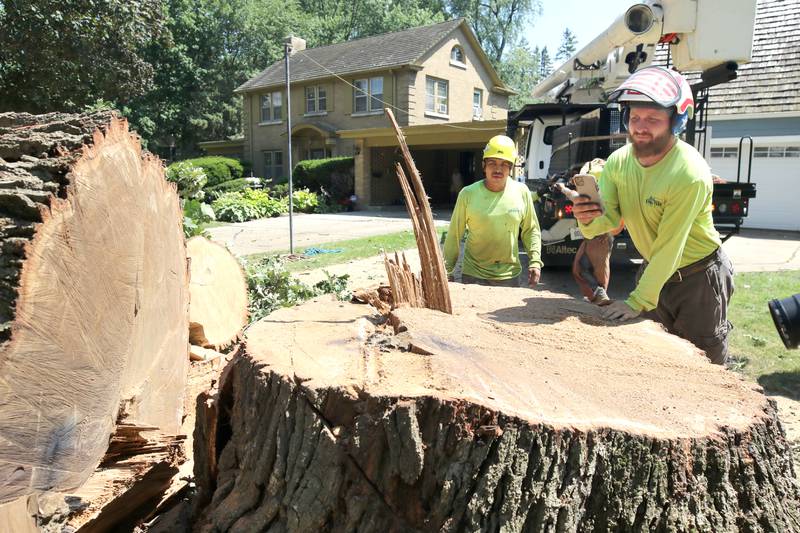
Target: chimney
<point>296,44</point>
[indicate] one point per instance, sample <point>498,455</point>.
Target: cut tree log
<point>218,308</point>
<point>94,296</point>
<point>522,411</point>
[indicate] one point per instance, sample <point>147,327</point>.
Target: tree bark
<point>331,420</point>
<point>93,296</point>
<point>218,290</point>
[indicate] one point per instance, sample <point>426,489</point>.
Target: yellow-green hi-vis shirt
<point>496,221</point>
<point>667,211</point>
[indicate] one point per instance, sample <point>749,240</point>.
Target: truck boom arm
<point>704,33</point>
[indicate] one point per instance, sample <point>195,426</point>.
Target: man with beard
<point>496,211</point>
<point>662,187</point>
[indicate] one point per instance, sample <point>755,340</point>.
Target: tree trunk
<point>522,411</point>
<point>218,308</point>
<point>93,296</point>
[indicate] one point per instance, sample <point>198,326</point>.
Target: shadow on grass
<point>782,383</point>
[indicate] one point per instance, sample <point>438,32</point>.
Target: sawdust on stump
<point>522,411</point>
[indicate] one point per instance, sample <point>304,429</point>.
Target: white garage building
<point>764,103</point>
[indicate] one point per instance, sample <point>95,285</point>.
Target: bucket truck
<point>706,40</point>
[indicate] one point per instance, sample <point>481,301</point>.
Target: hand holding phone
<point>587,188</point>
<point>588,205</point>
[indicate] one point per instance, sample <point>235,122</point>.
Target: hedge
<point>218,169</point>
<point>335,174</point>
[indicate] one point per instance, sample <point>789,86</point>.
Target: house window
<point>318,153</point>
<point>316,99</point>
<point>725,151</point>
<point>271,108</point>
<point>457,56</point>
<point>477,103</point>
<point>368,95</point>
<point>436,96</point>
<point>273,164</point>
<point>776,151</point>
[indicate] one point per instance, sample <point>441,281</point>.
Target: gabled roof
<point>770,83</point>
<point>389,50</point>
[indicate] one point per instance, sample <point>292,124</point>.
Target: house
<point>764,103</point>
<point>446,96</point>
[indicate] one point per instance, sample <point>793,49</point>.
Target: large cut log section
<point>520,412</point>
<point>218,294</point>
<point>93,296</point>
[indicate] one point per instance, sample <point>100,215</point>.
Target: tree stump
<point>93,296</point>
<point>218,294</point>
<point>522,411</point>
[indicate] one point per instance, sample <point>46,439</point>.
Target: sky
<point>585,18</point>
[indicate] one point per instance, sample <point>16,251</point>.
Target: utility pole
<point>287,50</point>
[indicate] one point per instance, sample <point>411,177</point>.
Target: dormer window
<point>457,56</point>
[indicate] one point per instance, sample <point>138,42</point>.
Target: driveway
<point>757,250</point>
<point>272,234</point>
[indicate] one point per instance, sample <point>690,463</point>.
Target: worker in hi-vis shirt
<point>662,187</point>
<point>496,212</point>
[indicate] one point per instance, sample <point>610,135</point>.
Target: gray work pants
<point>696,308</point>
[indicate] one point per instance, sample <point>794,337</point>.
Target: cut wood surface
<point>522,411</point>
<point>218,308</point>
<point>94,296</point>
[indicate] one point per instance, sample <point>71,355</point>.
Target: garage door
<point>776,173</point>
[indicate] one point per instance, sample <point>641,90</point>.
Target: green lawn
<point>350,249</point>
<point>756,347</point>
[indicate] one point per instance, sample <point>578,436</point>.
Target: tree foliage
<point>545,63</point>
<point>568,46</point>
<point>62,55</point>
<point>520,70</point>
<point>171,66</point>
<point>498,24</point>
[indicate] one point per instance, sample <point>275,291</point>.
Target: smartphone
<point>586,186</point>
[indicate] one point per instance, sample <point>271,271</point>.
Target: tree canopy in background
<point>62,55</point>
<point>171,66</point>
<point>568,46</point>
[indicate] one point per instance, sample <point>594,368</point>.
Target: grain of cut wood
<point>487,420</point>
<point>218,294</point>
<point>93,298</point>
<point>406,286</point>
<point>434,275</point>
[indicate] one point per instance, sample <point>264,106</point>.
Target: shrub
<point>237,185</point>
<point>198,211</point>
<point>334,174</point>
<point>232,207</point>
<point>190,179</point>
<point>304,200</point>
<point>271,286</point>
<point>280,190</point>
<point>218,169</point>
<point>248,205</point>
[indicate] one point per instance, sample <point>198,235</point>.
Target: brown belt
<point>694,268</point>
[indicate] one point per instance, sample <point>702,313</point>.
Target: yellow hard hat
<point>501,147</point>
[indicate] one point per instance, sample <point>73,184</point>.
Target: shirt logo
<point>653,202</point>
